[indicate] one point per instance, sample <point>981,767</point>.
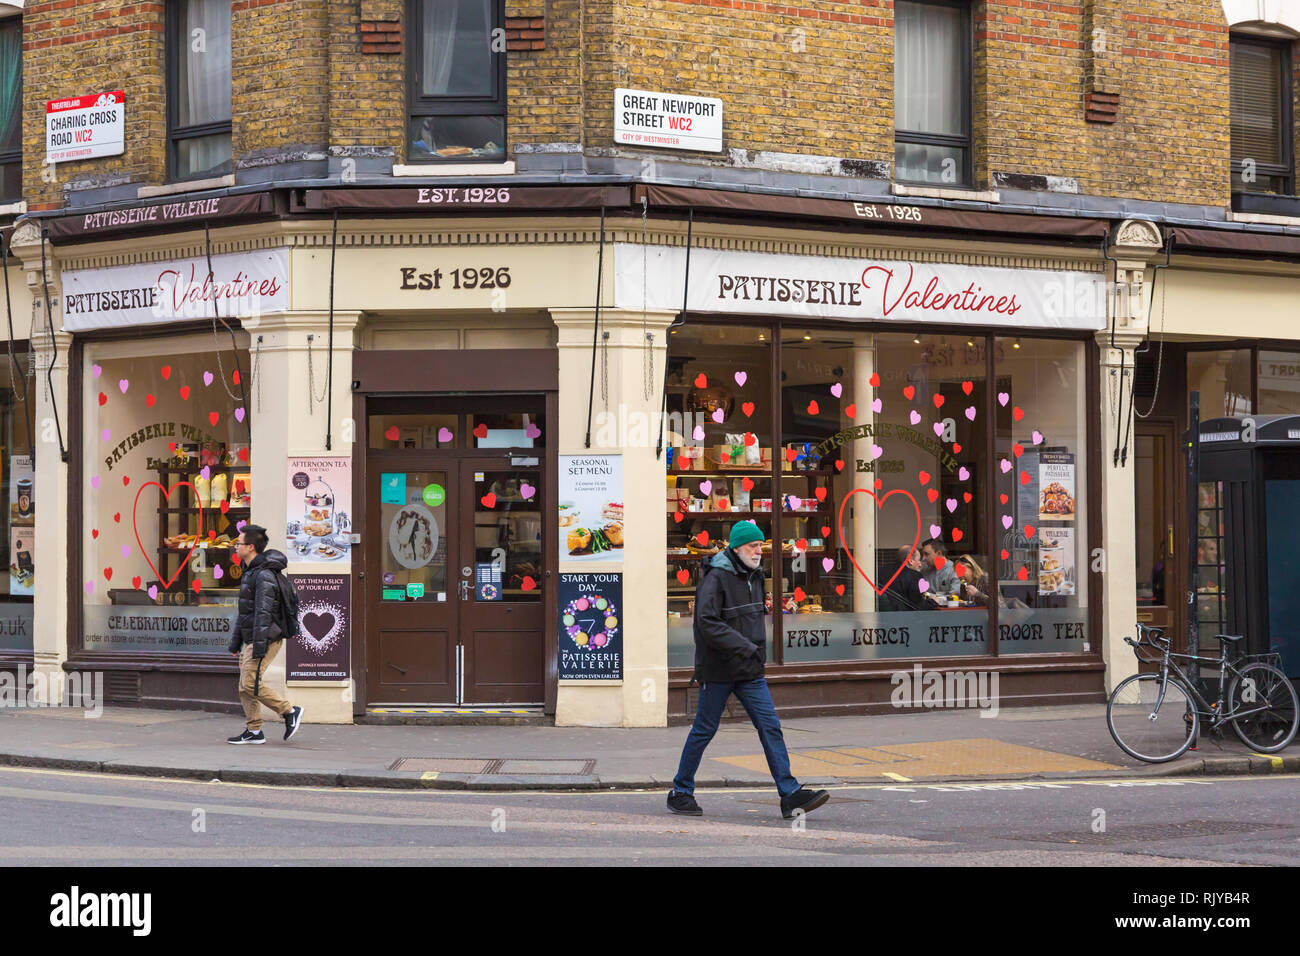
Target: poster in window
<point>1056,561</point>
<point>591,507</point>
<point>321,649</point>
<point>591,627</point>
<point>22,570</point>
<point>319,505</point>
<point>1026,474</point>
<point>1056,501</point>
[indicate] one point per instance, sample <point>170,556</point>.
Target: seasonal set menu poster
<point>321,649</point>
<point>319,506</point>
<point>591,507</point>
<point>591,626</point>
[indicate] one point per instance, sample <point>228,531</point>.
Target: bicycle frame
<point>1203,707</point>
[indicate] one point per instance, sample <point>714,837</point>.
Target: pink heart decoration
<point>935,531</point>
<point>741,378</point>
<point>914,417</point>
<point>206,472</point>
<point>1037,436</point>
<point>1006,466</point>
<point>239,414</point>
<point>718,416</point>
<point>94,481</point>
<point>828,563</point>
<point>126,551</point>
<point>1003,398</point>
<point>837,389</point>
<point>938,428</point>
<point>153,592</point>
<point>706,487</point>
<point>875,406</point>
<point>1006,521</point>
<point>963,474</point>
<point>698,434</point>
<point>106,434</point>
<point>527,491</point>
<point>96,370</point>
<point>970,412</point>
<point>445,435</point>
<point>90,586</point>
<point>239,526</point>
<point>532,431</point>
<point>123,384</point>
<point>876,451</point>
<point>951,505</point>
<point>795,503</point>
<point>207,378</point>
<point>923,585</point>
<point>217,573</point>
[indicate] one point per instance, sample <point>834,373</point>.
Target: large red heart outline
<point>880,503</point>
<point>136,528</point>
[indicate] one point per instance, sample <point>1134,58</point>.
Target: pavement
<point>1031,743</point>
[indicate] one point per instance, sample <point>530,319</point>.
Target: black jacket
<point>259,597</point>
<point>730,634</point>
<point>906,591</point>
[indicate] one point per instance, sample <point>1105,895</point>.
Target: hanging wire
<point>241,398</point>
<point>686,284</point>
<point>329,374</point>
<point>54,354</point>
<point>19,385</point>
<point>595,329</point>
<point>647,340</point>
<point>1160,354</point>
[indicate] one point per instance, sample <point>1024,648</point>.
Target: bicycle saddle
<point>1231,637</point>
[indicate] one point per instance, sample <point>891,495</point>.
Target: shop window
<point>932,92</point>
<point>11,109</point>
<point>198,89</point>
<point>1223,379</point>
<point>1279,382</point>
<point>719,448</point>
<point>889,434</point>
<point>506,429</point>
<point>456,78</point>
<point>414,431</point>
<point>167,487</point>
<point>1263,159</point>
<point>17,504</point>
<point>1040,476</point>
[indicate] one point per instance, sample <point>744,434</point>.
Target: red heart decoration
<point>924,477</point>
<point>874,381</point>
<point>956,536</point>
<point>225,506</point>
<point>750,439</point>
<point>932,494</point>
<point>135,582</point>
<point>117,516</point>
<point>839,589</point>
<point>1029,531</point>
<point>879,483</point>
<point>527,583</point>
<point>791,454</point>
<point>171,447</point>
<point>489,500</point>
<point>851,410</point>
<point>166,372</point>
<point>149,400</point>
<point>701,381</point>
<point>723,505</point>
<point>243,454</point>
<point>939,561</point>
<point>747,408</point>
<point>820,493</point>
<point>94,532</point>
<point>938,401</point>
<point>747,484</point>
<point>1005,554</point>
<point>813,408</point>
<point>234,376</point>
<point>1017,413</point>
<point>1004,498</point>
<point>1023,573</point>
<point>103,399</point>
<point>1017,449</point>
<point>879,504</point>
<point>234,559</point>
<point>392,434</point>
<point>185,393</point>
<point>802,544</point>
<point>909,393</point>
<point>126,480</point>
<point>1024,478</point>
<point>959,570</point>
<point>703,539</point>
<point>839,464</point>
<point>967,386</point>
<point>480,431</point>
<point>211,535</point>
<point>677,517</point>
<point>826,531</point>
<point>799,594</point>
<point>196,585</point>
<point>182,563</point>
<point>108,574</point>
<point>956,448</point>
<point>966,497</point>
<point>683,576</point>
<point>214,417</point>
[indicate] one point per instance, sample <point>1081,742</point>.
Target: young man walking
<point>258,635</point>
<point>730,654</point>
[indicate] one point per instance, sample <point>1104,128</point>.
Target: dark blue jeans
<point>757,701</point>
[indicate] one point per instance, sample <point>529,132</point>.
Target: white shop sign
<point>153,293</point>
<point>867,289</point>
<point>85,127</point>
<point>667,120</point>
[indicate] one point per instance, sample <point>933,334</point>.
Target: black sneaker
<point>248,737</point>
<point>684,803</point>
<point>801,799</point>
<point>292,721</point>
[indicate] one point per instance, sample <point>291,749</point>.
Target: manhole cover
<point>506,765</point>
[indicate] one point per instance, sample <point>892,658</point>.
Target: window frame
<point>966,141</point>
<point>173,44</point>
<point>1286,118</point>
<point>418,105</point>
<point>15,156</point>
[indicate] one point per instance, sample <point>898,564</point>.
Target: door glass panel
<point>507,430</point>
<point>1152,525</point>
<point>1211,605</point>
<point>508,535</point>
<point>413,521</point>
<point>1223,379</point>
<point>414,431</point>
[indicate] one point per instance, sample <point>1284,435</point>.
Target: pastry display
<point>1056,500</point>
<point>1050,580</point>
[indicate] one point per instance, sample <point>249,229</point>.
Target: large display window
<point>927,490</point>
<point>18,500</point>
<point>167,487</point>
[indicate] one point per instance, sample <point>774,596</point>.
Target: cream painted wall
<point>1236,300</point>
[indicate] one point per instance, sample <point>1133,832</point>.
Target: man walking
<point>258,635</point>
<point>730,653</point>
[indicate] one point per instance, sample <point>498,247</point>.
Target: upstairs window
<point>11,109</point>
<point>1263,157</point>
<point>932,92</point>
<point>456,78</point>
<point>198,89</point>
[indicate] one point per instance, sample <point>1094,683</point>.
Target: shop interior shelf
<point>196,510</point>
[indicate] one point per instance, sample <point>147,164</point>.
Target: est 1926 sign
<point>85,127</point>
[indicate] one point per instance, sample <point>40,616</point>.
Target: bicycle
<point>1155,717</point>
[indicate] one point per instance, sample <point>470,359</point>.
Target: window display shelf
<point>196,510</point>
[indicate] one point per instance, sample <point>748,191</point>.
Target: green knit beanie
<point>743,532</point>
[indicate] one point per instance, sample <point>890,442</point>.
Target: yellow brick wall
<point>279,74</point>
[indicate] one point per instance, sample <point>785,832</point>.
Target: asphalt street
<point>63,818</point>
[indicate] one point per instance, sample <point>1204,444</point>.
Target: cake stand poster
<point>1056,486</point>
<point>591,627</point>
<point>22,568</point>
<point>322,648</point>
<point>591,508</point>
<point>319,505</point>
<point>1056,561</point>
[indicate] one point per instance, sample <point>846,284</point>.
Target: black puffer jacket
<point>730,634</point>
<point>259,597</point>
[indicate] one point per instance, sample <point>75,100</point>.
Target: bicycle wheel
<point>1271,728</point>
<point>1141,731</point>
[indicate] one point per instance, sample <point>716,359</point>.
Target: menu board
<point>1056,501</point>
<point>318,525</point>
<point>591,508</point>
<point>1056,560</point>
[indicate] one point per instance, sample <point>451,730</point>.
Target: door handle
<point>464,590</point>
<point>1170,552</point>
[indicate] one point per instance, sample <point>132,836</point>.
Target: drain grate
<point>501,765</point>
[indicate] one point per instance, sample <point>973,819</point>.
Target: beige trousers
<point>249,668</point>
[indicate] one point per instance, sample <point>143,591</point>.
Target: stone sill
<point>14,208</point>
<point>1260,218</point>
<point>457,169</point>
<point>190,186</point>
<point>940,192</point>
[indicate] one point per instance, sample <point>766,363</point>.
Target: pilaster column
<point>864,509</point>
<point>625,419</point>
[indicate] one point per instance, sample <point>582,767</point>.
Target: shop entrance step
<point>526,716</point>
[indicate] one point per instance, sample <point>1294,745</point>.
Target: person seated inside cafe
<point>942,580</point>
<point>905,592</point>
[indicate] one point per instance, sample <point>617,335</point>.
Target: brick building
<point>465,254</point>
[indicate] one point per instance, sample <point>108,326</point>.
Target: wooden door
<point>1159,567</point>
